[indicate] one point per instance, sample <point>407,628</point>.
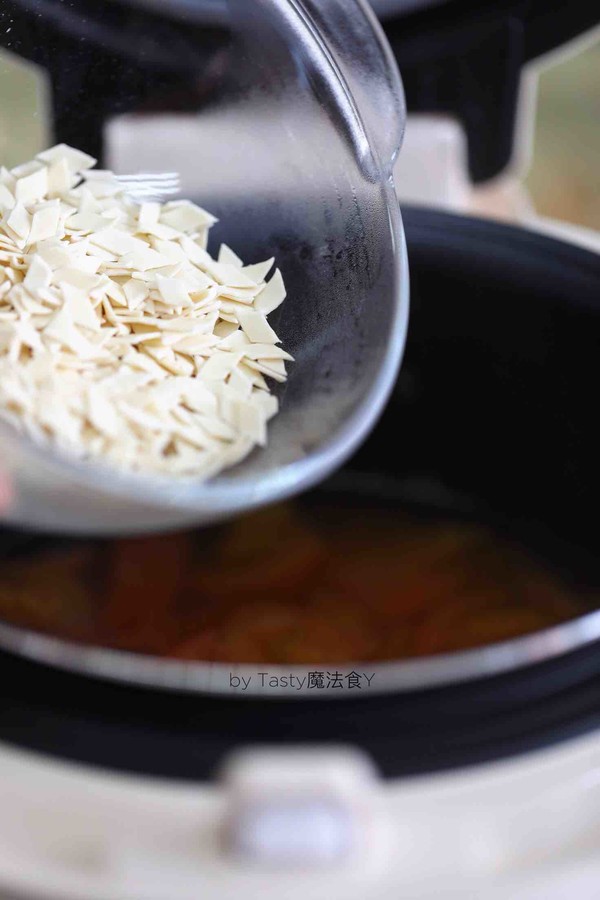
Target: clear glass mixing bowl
<point>284,120</point>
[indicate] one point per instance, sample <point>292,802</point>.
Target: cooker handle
<point>346,48</point>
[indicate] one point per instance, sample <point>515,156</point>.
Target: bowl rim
<point>214,679</point>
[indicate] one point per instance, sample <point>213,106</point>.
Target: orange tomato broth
<point>289,586</point>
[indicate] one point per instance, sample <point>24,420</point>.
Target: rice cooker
<point>470,774</point>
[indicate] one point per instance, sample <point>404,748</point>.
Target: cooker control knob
<point>301,807</point>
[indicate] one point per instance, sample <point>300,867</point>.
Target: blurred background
<point>563,179</point>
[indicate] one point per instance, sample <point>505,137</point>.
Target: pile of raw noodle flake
<point>120,337</point>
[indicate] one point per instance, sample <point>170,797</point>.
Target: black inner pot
<point>493,411</point>
<point>491,420</point>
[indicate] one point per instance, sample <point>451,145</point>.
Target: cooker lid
<point>446,50</point>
